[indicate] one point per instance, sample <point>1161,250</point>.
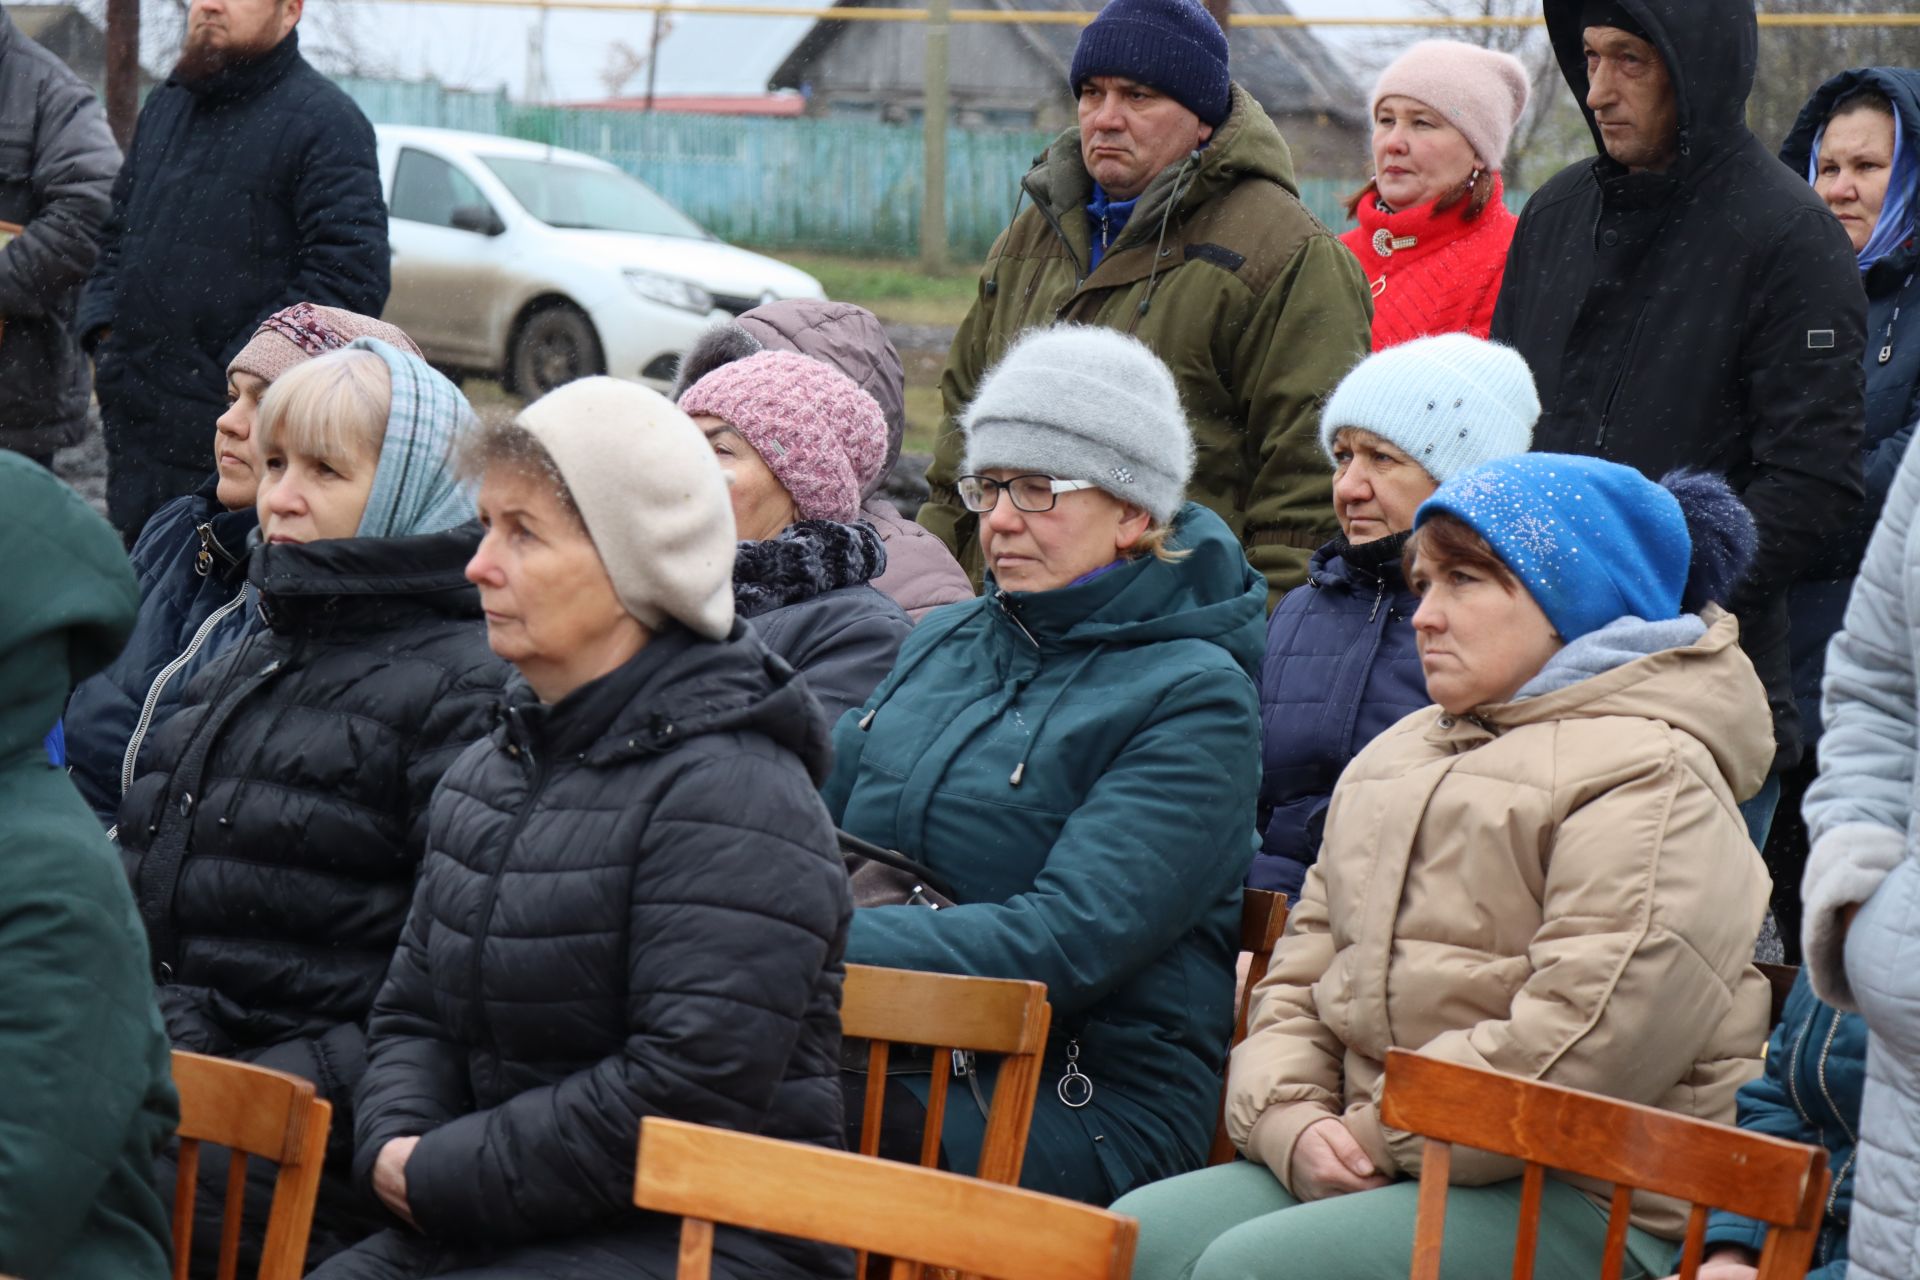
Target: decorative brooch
<point>1385,242</point>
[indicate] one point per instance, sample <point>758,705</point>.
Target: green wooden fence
<point>831,185</point>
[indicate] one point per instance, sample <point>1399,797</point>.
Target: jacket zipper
<point>160,682</point>
<point>1079,276</point>
<point>506,849</point>
<point>1853,1143</point>
<point>1619,380</point>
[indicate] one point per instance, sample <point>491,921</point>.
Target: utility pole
<point>933,201</point>
<point>123,69</point>
<point>1222,11</point>
<point>653,51</point>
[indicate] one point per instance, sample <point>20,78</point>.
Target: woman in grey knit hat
<point>1077,754</point>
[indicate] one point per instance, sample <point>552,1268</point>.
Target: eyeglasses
<point>1035,493</point>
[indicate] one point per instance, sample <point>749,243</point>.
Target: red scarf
<point>1432,272</point>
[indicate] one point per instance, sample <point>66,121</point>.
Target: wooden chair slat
<point>184,1189</point>
<point>252,1112</point>
<point>1601,1138</point>
<point>1263,919</point>
<point>985,1015</point>
<point>946,1013</point>
<point>232,1216</point>
<point>930,1217</point>
<point>936,1110</point>
<point>1694,1246</point>
<point>1526,1245</point>
<point>1429,1233</point>
<point>1619,1216</point>
<point>696,1250</point>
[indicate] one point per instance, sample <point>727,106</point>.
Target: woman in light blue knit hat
<point>1075,755</point>
<point>274,829</point>
<point>1340,665</point>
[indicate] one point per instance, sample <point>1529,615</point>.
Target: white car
<point>539,265</point>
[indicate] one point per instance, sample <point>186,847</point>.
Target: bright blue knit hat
<point>1592,541</point>
<point>1174,46</point>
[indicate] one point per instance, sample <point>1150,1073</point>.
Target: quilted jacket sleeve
<point>1859,810</point>
<point>738,903</point>
<point>74,163</point>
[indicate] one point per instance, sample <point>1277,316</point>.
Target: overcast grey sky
<point>477,47</point>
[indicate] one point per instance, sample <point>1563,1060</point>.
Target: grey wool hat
<point>1080,403</point>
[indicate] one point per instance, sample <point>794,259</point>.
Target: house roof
<point>34,20</point>
<point>1287,69</point>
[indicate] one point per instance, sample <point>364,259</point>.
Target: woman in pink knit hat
<point>1434,230</point>
<point>191,559</point>
<point>797,438</point>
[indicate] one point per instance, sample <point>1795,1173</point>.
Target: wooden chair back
<point>1263,918</point>
<point>946,1013</point>
<point>256,1113</point>
<point>918,1217</point>
<point>1781,978</point>
<point>1707,1166</point>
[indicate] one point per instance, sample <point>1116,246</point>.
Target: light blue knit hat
<point>1450,402</point>
<point>414,489</point>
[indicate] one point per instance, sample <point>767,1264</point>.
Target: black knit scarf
<point>808,559</point>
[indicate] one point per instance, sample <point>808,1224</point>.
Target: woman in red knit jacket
<point>1434,231</point>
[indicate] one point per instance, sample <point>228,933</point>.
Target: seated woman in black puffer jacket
<point>274,831</point>
<point>797,439</point>
<point>632,905</point>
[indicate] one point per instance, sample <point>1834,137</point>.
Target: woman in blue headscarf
<point>1858,142</point>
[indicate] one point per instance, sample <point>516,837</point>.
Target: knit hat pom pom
<point>1723,534</point>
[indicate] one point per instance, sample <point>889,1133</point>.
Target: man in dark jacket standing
<point>251,185</point>
<point>57,162</point>
<point>1685,300</point>
<point>1171,213</point>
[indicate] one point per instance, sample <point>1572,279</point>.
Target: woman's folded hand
<point>1329,1161</point>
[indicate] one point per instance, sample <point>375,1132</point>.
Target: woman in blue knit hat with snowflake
<point>1546,874</point>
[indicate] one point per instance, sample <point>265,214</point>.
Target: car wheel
<point>555,346</point>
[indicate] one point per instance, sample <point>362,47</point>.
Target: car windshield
<point>574,196</point>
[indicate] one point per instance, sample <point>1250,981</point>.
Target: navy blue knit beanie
<point>1174,46</point>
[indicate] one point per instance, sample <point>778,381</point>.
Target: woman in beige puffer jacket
<point>1554,883</point>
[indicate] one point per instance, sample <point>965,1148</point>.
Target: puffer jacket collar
<point>1711,49</point>
<point>1685,687</point>
<point>678,687</point>
<point>346,583</point>
<point>808,559</point>
<point>1336,566</point>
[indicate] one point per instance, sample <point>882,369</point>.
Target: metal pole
<point>123,69</point>
<point>933,203</point>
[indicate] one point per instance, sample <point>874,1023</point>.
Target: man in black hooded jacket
<point>1685,300</point>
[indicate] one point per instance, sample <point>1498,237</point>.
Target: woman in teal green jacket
<point>1077,754</point>
<point>88,1101</point>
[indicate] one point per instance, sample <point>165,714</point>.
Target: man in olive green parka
<point>86,1089</point>
<point>1171,213</point>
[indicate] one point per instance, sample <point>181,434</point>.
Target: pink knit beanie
<point>304,330</point>
<point>813,426</point>
<point>1481,92</point>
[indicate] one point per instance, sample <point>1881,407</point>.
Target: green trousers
<point>1236,1222</point>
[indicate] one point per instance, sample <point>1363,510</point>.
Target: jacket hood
<point>849,338</point>
<point>1901,85</point>
<point>1247,144</point>
<point>1211,593</point>
<point>1707,689</point>
<point>1711,49</point>
<point>680,686</point>
<point>74,600</point>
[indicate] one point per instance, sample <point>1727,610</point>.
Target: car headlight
<point>671,290</point>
